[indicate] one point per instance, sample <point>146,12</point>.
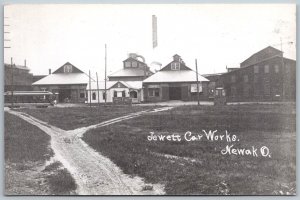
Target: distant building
<point>175,81</point>
<point>38,77</point>
<point>264,76</point>
<point>231,69</point>
<point>213,80</point>
<point>67,82</point>
<point>133,70</point>
<point>18,76</point>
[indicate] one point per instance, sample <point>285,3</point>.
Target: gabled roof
<point>109,84</point>
<point>182,66</point>
<point>174,76</point>
<point>129,72</point>
<point>134,59</point>
<point>61,69</point>
<point>265,53</point>
<point>63,79</point>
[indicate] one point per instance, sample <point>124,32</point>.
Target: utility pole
<point>98,90</point>
<point>197,83</point>
<point>105,75</point>
<point>90,88</point>
<point>12,82</point>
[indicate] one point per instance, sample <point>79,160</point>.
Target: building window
<point>123,93</point>
<point>246,90</point>
<point>256,90</point>
<point>175,66</point>
<point>153,92</point>
<point>256,69</point>
<point>267,70</point>
<point>134,64</point>
<point>115,93</point>
<point>127,64</point>
<point>133,94</point>
<point>223,93</point>
<point>233,91</point>
<point>103,95</point>
<point>81,95</point>
<point>255,78</point>
<point>267,87</point>
<point>233,79</point>
<point>67,68</point>
<point>287,69</point>
<point>276,68</point>
<point>94,96</point>
<point>246,78</point>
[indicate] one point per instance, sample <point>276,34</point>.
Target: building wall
<point>101,96</point>
<point>77,92</point>
<point>22,79</point>
<point>110,95</point>
<point>128,78</point>
<point>256,83</point>
<point>164,91</point>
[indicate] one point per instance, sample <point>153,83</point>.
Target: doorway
<point>64,94</point>
<point>175,93</point>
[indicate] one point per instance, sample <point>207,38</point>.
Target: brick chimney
<point>49,71</point>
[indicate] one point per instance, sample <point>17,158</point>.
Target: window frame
<point>256,69</point>
<point>134,64</point>
<point>246,78</point>
<point>233,78</point>
<point>127,64</point>
<point>68,69</point>
<point>81,95</point>
<point>267,69</point>
<point>175,66</point>
<point>152,92</point>
<point>94,96</point>
<point>276,69</point>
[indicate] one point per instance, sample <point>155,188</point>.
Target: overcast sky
<point>48,36</point>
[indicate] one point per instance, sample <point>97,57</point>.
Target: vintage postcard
<point>150,99</point>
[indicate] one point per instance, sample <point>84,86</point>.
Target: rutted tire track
<point>94,174</point>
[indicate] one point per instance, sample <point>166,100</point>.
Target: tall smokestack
<point>49,71</point>
<point>25,63</point>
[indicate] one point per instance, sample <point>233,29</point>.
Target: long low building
<point>118,89</point>
<point>175,81</point>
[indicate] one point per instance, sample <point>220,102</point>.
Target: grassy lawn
<point>26,150</point>
<point>198,167</point>
<point>75,117</point>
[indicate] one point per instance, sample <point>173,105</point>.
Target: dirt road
<point>94,174</point>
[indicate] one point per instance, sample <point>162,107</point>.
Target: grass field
<point>198,167</point>
<point>26,150</point>
<point>70,118</point>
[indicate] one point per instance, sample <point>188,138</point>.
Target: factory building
<point>264,76</point>
<point>175,81</point>
<point>67,82</point>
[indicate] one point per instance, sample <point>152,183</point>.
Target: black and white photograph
<point>149,99</point>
